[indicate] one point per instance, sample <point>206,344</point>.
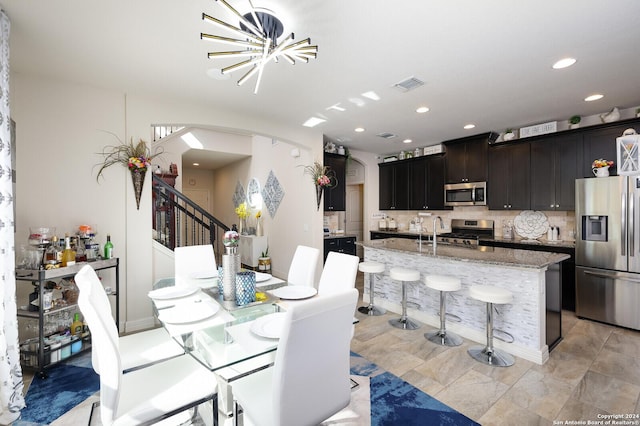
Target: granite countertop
<point>488,255</point>
<point>330,236</point>
<point>541,242</point>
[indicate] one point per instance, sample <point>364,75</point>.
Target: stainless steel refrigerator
<point>608,250</point>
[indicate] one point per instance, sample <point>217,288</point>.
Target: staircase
<point>178,221</point>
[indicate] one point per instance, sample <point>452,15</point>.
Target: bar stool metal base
<point>494,357</point>
<point>371,310</point>
<point>443,338</point>
<point>404,323</point>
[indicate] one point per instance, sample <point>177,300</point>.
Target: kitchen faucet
<point>436,219</point>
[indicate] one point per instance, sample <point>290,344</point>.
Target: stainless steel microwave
<point>465,194</point>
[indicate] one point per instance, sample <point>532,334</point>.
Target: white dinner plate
<point>204,275</point>
<point>294,292</point>
<point>261,277</point>
<point>185,313</point>
<point>173,292</point>
<point>269,326</point>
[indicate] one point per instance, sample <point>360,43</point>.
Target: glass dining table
<point>230,340</point>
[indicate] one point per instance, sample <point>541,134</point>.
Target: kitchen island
<point>530,276</point>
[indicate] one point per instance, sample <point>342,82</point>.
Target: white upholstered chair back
<point>339,273</point>
<point>304,264</point>
<point>194,261</point>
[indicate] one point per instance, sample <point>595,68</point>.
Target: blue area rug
<point>68,384</point>
<point>396,402</point>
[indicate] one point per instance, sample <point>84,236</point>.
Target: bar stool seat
<point>371,268</point>
<point>443,284</point>
<point>488,354</point>
<point>404,275</point>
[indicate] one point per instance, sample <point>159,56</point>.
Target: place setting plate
<point>185,313</point>
<point>174,292</point>
<point>294,292</point>
<point>269,326</point>
<point>262,277</point>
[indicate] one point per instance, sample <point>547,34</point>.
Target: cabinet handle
<point>504,207</point>
<point>557,206</point>
<point>551,206</point>
<point>509,205</point>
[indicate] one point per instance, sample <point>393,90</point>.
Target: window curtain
<point>11,385</point>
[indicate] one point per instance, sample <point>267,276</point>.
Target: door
<point>354,212</point>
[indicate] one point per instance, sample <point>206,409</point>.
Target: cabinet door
<point>476,160</point>
<point>508,185</point>
<point>455,162</point>
<point>385,186</point>
<point>543,176</point>
<point>335,196</point>
<point>435,183</point>
<point>600,143</point>
<point>418,182</point>
<point>568,160</point>
<point>401,186</point>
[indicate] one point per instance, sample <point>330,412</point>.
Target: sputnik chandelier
<point>258,30</point>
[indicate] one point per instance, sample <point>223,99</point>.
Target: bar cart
<point>35,352</point>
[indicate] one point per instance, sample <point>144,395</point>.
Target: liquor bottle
<point>52,255</point>
<point>76,325</point>
<point>108,248</point>
<point>81,254</point>
<point>68,255</point>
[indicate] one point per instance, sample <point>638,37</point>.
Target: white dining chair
<point>309,381</point>
<point>143,396</point>
<point>339,272</point>
<point>304,264</point>
<point>137,350</point>
<point>194,262</point>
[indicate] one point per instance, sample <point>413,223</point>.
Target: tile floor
<point>594,371</point>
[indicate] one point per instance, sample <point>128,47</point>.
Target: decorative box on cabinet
<point>38,357</point>
<point>251,247</point>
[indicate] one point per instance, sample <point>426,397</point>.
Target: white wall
<point>58,137</point>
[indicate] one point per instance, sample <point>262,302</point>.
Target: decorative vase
<point>319,190</point>
<point>259,228</point>
<point>508,136</point>
<point>264,264</point>
<point>230,267</point>
<point>137,176</point>
<point>245,287</point>
<point>601,171</point>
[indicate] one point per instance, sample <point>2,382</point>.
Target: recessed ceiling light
<point>469,126</point>
<point>313,121</point>
<point>564,63</point>
<point>407,141</point>
<point>336,107</point>
<point>371,95</point>
<point>422,109</point>
<point>196,164</point>
<point>595,97</point>
<point>359,129</point>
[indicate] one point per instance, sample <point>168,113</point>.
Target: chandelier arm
<point>255,17</point>
<point>230,27</point>
<point>288,58</point>
<point>299,43</point>
<point>247,23</point>
<point>232,41</point>
<point>240,65</point>
<point>263,62</point>
<point>234,54</point>
<point>247,75</point>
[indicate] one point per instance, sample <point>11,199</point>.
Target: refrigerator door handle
<point>611,276</point>
<point>632,226</point>
<point>623,228</point>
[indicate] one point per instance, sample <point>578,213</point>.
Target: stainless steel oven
<point>465,194</point>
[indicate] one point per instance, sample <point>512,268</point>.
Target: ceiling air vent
<point>408,84</point>
<point>386,135</point>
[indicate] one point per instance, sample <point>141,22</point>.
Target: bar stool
<point>443,284</point>
<point>371,268</point>
<point>488,354</point>
<point>404,275</point>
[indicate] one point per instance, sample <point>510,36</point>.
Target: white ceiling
<point>484,62</point>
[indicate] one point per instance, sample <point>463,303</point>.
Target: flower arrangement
<point>322,175</point>
<point>134,156</point>
<point>242,211</point>
<point>601,163</point>
<point>230,239</point>
<point>258,214</point>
